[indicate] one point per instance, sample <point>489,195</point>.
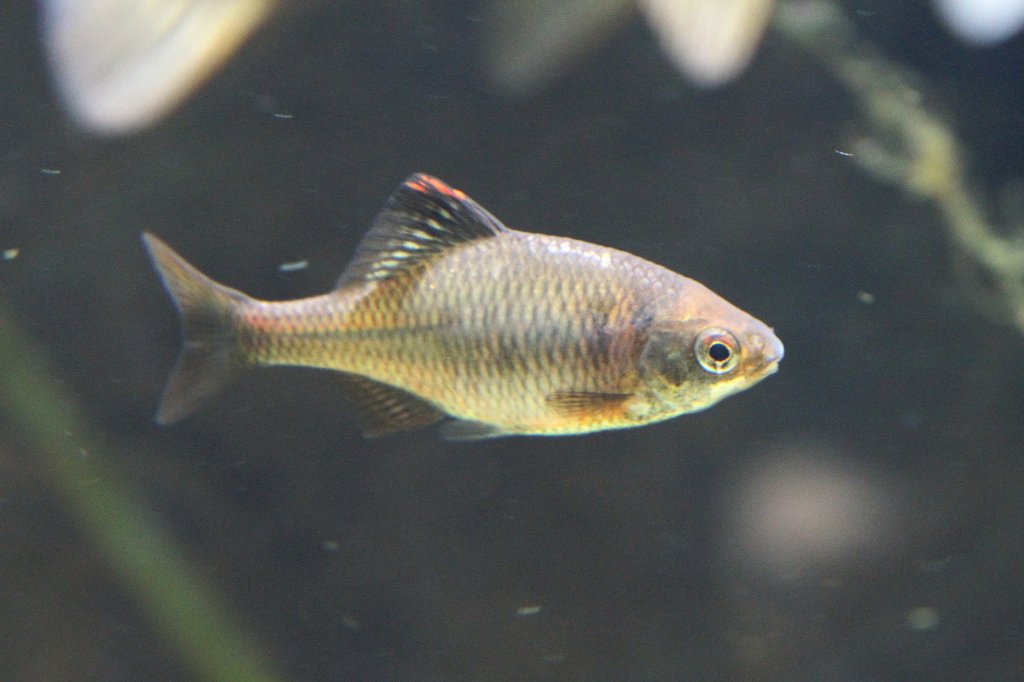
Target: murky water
<point>857,516</point>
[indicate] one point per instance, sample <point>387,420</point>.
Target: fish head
<point>699,352</point>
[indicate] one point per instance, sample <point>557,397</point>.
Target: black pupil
<point>719,352</point>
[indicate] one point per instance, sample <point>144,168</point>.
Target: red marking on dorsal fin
<point>419,221</point>
<point>425,183</point>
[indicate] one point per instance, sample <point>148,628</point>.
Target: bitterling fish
<point>446,313</point>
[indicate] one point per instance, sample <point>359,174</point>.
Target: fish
<point>120,66</point>
<point>982,23</point>
<point>445,314</point>
<point>535,42</point>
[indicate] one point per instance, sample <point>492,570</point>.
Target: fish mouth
<point>763,370</point>
<point>770,363</point>
<point>771,360</point>
<point>775,351</point>
<point>766,362</point>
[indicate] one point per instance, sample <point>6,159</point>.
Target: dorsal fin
<point>420,220</point>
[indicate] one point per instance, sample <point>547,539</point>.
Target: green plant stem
<point>911,147</point>
<point>181,605</point>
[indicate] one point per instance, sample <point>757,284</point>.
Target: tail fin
<point>211,355</point>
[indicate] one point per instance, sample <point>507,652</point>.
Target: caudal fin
<point>211,355</point>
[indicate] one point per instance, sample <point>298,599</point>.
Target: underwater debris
<point>923,618</point>
<point>293,266</point>
<point>911,147</point>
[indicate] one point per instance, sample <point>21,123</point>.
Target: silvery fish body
<point>445,312</point>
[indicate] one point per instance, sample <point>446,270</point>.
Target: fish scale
<point>445,312</point>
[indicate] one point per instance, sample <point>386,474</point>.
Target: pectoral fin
<point>587,404</point>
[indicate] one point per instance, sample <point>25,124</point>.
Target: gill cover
<point>689,352</point>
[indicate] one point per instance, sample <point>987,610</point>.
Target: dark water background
<point>409,558</point>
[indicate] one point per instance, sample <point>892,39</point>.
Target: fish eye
<point>717,350</point>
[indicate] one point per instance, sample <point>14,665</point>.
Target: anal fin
<point>385,409</point>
